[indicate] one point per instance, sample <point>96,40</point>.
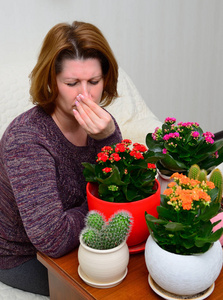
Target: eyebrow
<point>94,77</point>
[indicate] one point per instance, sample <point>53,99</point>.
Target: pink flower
<point>170,120</point>
<point>188,124</point>
<point>216,155</point>
<point>195,134</point>
<point>208,134</point>
<point>171,135</point>
<point>155,133</point>
<point>164,151</point>
<point>208,137</point>
<point>209,140</point>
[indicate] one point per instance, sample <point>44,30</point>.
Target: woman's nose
<point>84,90</point>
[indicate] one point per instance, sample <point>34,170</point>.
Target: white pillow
<point>131,112</point>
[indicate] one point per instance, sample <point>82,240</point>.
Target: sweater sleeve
<point>32,175</point>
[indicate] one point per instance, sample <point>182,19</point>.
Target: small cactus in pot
<point>99,234</point>
<point>216,177</point>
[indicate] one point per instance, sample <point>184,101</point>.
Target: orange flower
<point>168,192</point>
<point>176,175</point>
<point>185,180</point>
<point>210,184</point>
<point>187,204</point>
<point>194,182</point>
<point>195,194</point>
<point>204,196</point>
<point>186,199</point>
<point>178,190</point>
<point>171,184</point>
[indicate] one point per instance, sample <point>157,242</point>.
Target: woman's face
<point>78,77</point>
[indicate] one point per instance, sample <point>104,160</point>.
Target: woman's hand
<point>93,119</point>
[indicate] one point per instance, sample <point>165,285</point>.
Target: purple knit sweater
<point>42,188</point>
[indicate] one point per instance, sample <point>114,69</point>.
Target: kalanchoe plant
<point>215,176</point>
<point>183,225</point>
<point>122,173</point>
<point>174,148</point>
<point>99,234</point>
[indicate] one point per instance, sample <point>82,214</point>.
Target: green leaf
<point>166,213</point>
<point>174,226</point>
<point>209,212</point>
<point>170,163</point>
<point>113,179</point>
<point>152,219</point>
<point>200,241</point>
<point>89,172</point>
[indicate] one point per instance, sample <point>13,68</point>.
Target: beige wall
<point>172,49</point>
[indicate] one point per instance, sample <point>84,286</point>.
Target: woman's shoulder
<point>26,123</point>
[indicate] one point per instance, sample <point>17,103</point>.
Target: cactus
<point>117,230</point>
<point>98,234</point>
<point>202,176</point>
<point>216,178</point>
<point>194,172</point>
<point>91,238</point>
<point>95,220</point>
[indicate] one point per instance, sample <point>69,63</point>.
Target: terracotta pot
<point>183,274</point>
<point>139,232</point>
<point>103,268</point>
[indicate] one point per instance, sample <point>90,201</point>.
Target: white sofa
<point>132,114</point>
<point>130,110</point>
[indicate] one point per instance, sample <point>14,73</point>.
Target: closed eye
<point>94,82</point>
<point>72,84</point>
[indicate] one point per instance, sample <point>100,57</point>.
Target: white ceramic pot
<point>103,268</point>
<point>163,180</point>
<point>183,274</point>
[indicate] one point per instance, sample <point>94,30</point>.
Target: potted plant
<point>183,253</point>
<point>122,178</point>
<point>103,254</point>
<point>216,177</point>
<point>176,147</point>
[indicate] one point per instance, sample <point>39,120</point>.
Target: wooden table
<point>65,283</point>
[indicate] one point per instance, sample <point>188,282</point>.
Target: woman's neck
<point>71,129</point>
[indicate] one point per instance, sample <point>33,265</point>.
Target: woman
<point>42,188</point>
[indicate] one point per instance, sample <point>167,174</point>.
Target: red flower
<point>126,141</point>
<point>139,147</point>
<point>102,157</point>
<point>151,166</point>
<point>107,170</point>
<point>115,157</point>
<point>136,154</point>
<point>132,153</point>
<point>106,149</point>
<point>120,147</point>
